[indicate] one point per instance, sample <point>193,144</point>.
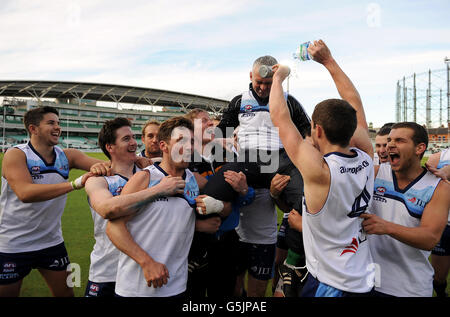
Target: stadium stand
<point>84,107</point>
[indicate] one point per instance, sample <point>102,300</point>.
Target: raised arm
<point>302,153</point>
<point>321,54</point>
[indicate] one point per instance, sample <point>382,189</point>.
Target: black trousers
<point>259,167</point>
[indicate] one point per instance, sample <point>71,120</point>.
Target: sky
<point>208,47</point>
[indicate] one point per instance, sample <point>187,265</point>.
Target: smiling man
<point>409,214</point>
<point>155,240</point>
<point>34,192</point>
<point>381,144</point>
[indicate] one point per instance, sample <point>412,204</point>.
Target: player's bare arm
<point>79,160</point>
<point>321,54</point>
<point>15,171</point>
<point>308,160</point>
<point>134,194</point>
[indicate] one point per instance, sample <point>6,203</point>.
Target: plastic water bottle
<point>265,71</point>
<point>302,52</point>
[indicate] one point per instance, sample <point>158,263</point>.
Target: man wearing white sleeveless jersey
<point>118,143</point>
<point>337,170</point>
<point>410,211</point>
<point>439,164</point>
<point>33,197</point>
<point>155,241</point>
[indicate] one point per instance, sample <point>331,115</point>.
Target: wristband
<point>212,206</point>
<point>76,183</point>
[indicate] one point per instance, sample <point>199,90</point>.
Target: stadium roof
<point>107,92</point>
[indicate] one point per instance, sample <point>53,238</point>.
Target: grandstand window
<point>68,112</point>
<point>107,115</point>
<point>88,114</point>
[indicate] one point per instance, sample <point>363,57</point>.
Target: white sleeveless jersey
<point>163,228</point>
<point>404,270</point>
<point>256,129</point>
<point>444,160</point>
<point>105,256</point>
<point>33,226</point>
<point>337,253</point>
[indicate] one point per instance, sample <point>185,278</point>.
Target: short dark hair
<point>420,134</point>
<point>338,120</point>
<point>108,134</point>
<point>35,116</point>
<point>166,128</point>
<point>385,129</point>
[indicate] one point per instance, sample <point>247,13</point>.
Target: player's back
<point>337,252</point>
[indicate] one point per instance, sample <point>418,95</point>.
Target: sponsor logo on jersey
<point>354,169</point>
<point>351,248</point>
<point>191,193</point>
<point>248,108</point>
<point>417,201</point>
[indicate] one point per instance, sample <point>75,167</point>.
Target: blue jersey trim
<point>402,191</point>
<point>39,155</point>
<point>343,154</point>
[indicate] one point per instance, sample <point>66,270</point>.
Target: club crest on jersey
<point>248,108</point>
<point>380,190</point>
<point>35,170</point>
<point>351,248</point>
<point>118,190</point>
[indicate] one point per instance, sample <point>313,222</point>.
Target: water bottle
<point>265,71</point>
<point>302,52</point>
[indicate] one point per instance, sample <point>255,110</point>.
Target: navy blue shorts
<point>15,266</point>
<point>258,259</point>
<point>314,288</point>
<point>100,289</point>
<point>443,246</point>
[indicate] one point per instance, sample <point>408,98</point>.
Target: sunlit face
<point>260,85</point>
<point>180,147</point>
<point>207,127</point>
<point>150,140</point>
<point>48,129</point>
<point>402,151</point>
<point>125,144</point>
<point>381,148</point>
